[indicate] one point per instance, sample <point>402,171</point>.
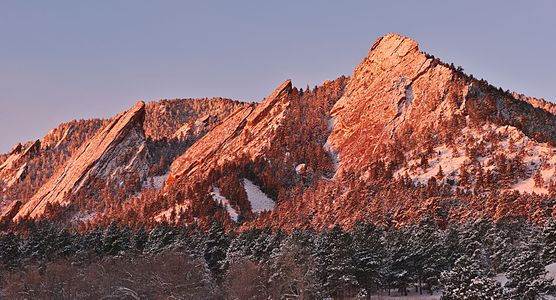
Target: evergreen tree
<point>549,242</point>
<point>116,239</point>
<point>527,278</point>
<point>139,239</point>
<point>370,256</point>
<point>292,269</point>
<point>334,262</point>
<point>401,261</point>
<point>91,243</point>
<point>468,280</point>
<point>429,254</point>
<point>160,238</point>
<point>454,249</point>
<point>10,254</point>
<point>64,243</point>
<point>216,246</point>
<point>242,246</point>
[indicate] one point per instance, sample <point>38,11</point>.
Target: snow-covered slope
<point>259,200</point>
<point>217,196</point>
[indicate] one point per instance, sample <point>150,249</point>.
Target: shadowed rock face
<point>119,148</point>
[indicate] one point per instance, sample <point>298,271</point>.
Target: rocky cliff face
<point>265,149</point>
<point>28,167</point>
<point>118,149</point>
<point>411,135</point>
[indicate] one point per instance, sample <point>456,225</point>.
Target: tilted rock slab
<point>248,131</point>
<point>119,148</point>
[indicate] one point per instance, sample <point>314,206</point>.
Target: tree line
<point>188,263</point>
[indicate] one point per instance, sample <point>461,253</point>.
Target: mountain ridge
<point>403,123</point>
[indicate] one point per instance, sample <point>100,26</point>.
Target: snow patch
<point>259,201</point>
<point>528,186</point>
<point>217,196</point>
<point>157,181</point>
<point>537,157</point>
<point>551,269</point>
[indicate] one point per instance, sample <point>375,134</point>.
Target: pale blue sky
<point>62,60</point>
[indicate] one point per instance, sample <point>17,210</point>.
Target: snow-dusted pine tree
<point>527,278</point>
<point>334,261</point>
<point>370,256</point>
<point>549,241</point>
<point>468,280</point>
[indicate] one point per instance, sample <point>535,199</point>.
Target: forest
<point>457,261</point>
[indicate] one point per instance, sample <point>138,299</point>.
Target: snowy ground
<point>259,200</point>
<point>412,295</point>
<point>550,268</point>
<point>221,199</point>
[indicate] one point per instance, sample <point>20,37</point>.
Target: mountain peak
<point>138,106</point>
<point>393,43</point>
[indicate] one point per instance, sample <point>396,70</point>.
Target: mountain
<point>118,149</point>
<point>405,137</point>
<point>399,96</point>
<point>33,168</point>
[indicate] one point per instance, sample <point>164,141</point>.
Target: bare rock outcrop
<point>243,133</point>
<point>14,167</point>
<point>118,149</point>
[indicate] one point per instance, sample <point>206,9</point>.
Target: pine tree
<point>334,261</point>
<point>549,241</point>
<point>10,254</point>
<point>116,239</point>
<point>160,238</point>
<point>401,261</point>
<point>216,246</point>
<point>527,278</point>
<point>429,254</point>
<point>91,243</point>
<point>370,256</point>
<point>139,239</point>
<point>468,280</point>
<point>292,268</point>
